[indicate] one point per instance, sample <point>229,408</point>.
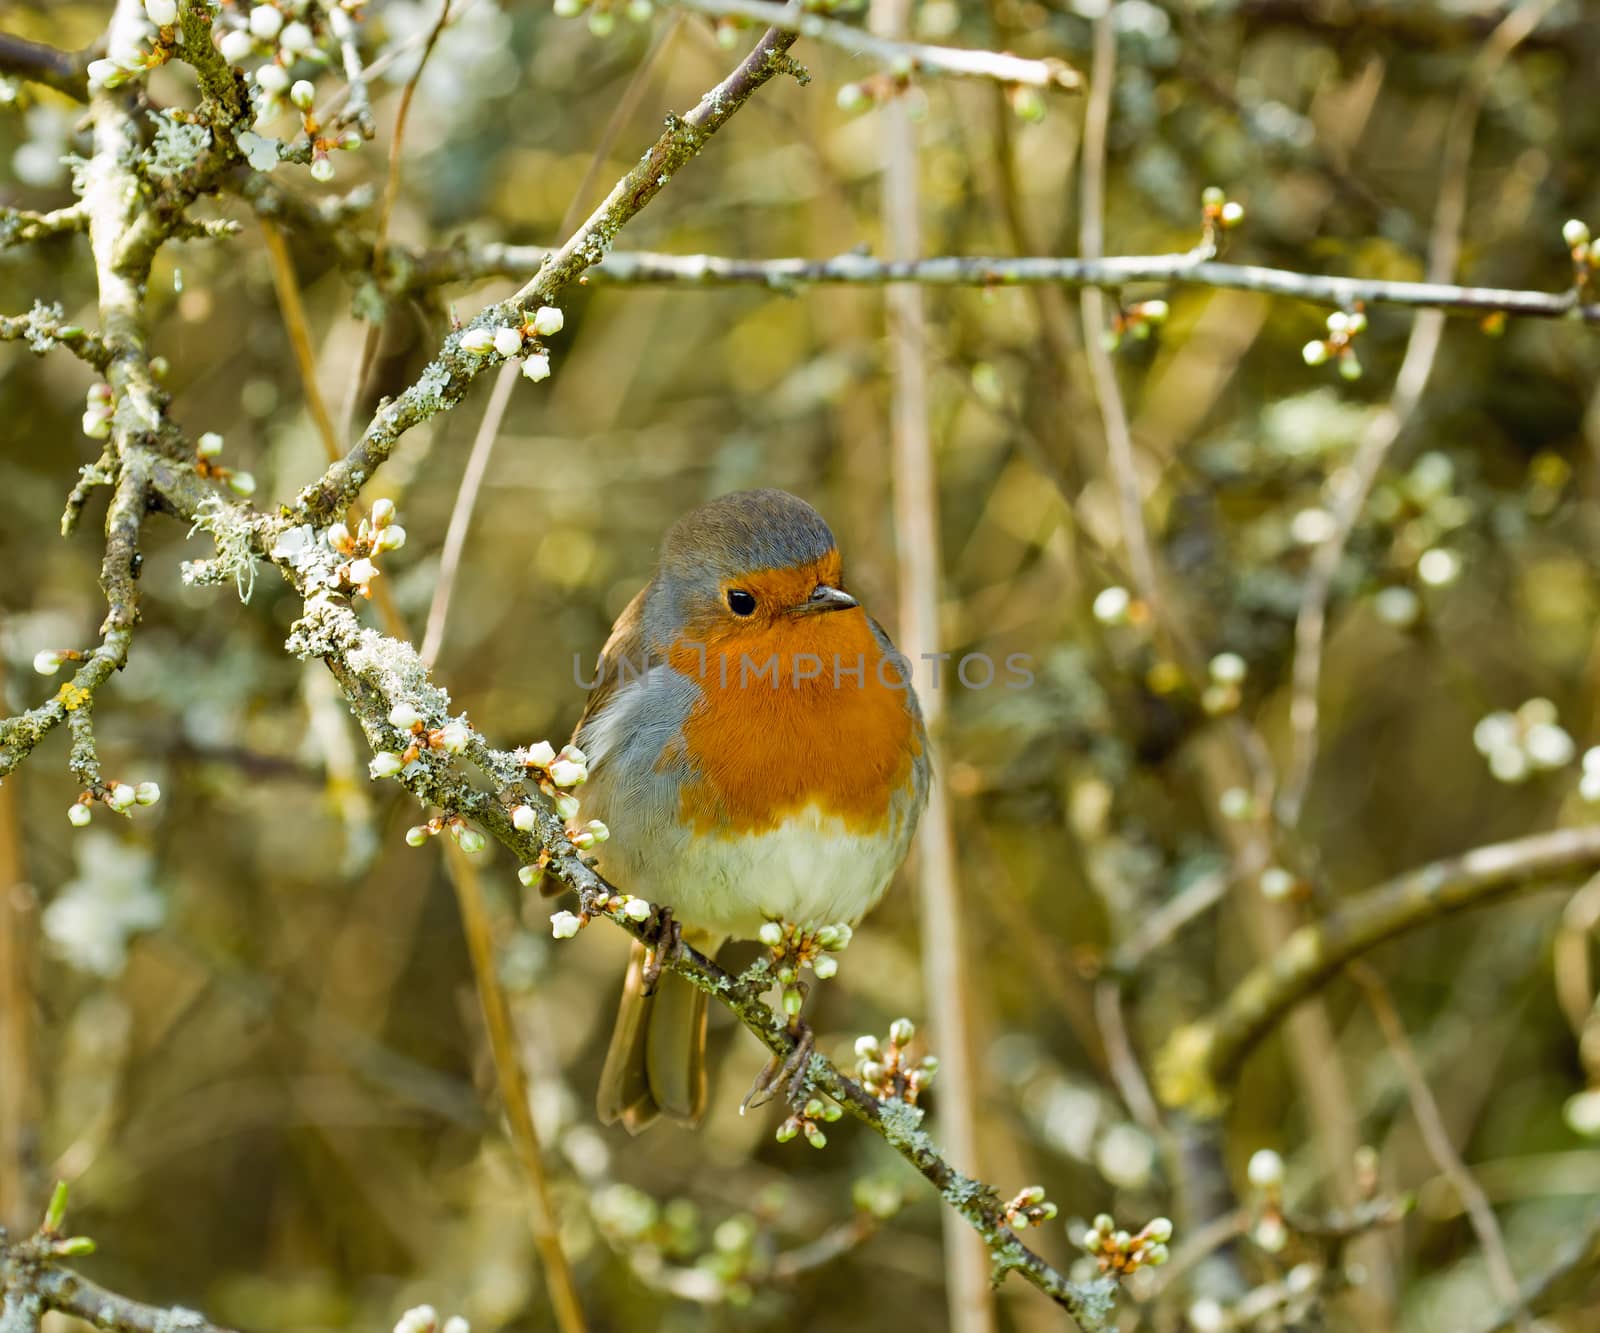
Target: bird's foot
<point>668,935</point>
<point>790,1073</point>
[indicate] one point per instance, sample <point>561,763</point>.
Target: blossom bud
<point>1265,1170</point>
<point>272,78</point>
<point>208,445</point>
<point>266,22</point>
<point>321,168</point>
<point>507,340</point>
<point>1232,213</point>
<point>242,484</point>
<point>901,1031</point>
<point>163,13</point>
<point>106,74</point>
<point>529,875</point>
<point>471,841</point>
<point>597,831</point>
<point>298,38</point>
<point>477,341</point>
<point>1315,352</point>
<point>147,793</point>
<point>404,716</point>
<point>382,512</point>
<point>771,934</point>
<point>566,805</point>
<point>360,572</point>
<point>536,367</point>
<point>602,22</point>
<point>385,764</point>
<point>1575,233</point>
<point>454,737</point>
<point>564,925</point>
<point>97,423</point>
<point>825,967</point>
<point>637,909</point>
<point>121,797</point>
<point>793,1001</point>
<point>548,320</point>
<point>418,834</point>
<point>48,661</point>
<point>391,538</point>
<point>78,815</point>
<point>1111,605</point>
<point>523,818</point>
<point>867,1047</point>
<point>539,755</point>
<point>302,93</point>
<point>565,773</point>
<point>237,45</point>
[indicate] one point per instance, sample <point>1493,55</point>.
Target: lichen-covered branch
<point>447,378</point>
<point>1201,1060</point>
<point>31,1286</point>
<point>898,57</point>
<point>1189,268</point>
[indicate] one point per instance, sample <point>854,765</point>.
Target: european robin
<point>756,749</point>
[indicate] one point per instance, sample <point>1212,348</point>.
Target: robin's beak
<point>824,598</point>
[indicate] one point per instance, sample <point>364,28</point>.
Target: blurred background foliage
<point>258,1055</point>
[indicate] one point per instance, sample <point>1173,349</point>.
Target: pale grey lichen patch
<point>176,148</point>
<point>259,151</point>
<point>229,528</point>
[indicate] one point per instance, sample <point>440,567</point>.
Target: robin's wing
<point>622,657</point>
<point>908,806</point>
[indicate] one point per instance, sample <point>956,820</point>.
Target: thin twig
<point>65,71</point>
<point>894,53</point>
<point>1437,1138</point>
<point>919,568</point>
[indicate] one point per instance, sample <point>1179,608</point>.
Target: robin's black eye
<point>740,602</point>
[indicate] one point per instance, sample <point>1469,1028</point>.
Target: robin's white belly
<point>811,870</point>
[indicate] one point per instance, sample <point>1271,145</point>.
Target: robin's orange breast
<point>808,712</point>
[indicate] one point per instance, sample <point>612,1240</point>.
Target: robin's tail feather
<point>656,1064</point>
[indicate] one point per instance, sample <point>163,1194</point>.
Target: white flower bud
<point>565,773</point>
<point>1575,233</point>
<point>529,875</point>
<point>1276,883</point>
<point>322,168</point>
<point>564,925</point>
<point>298,38</point>
<point>1111,606</point>
<point>536,367</point>
<point>106,74</point>
<point>539,755</point>
<point>1549,746</point>
<point>454,737</point>
<point>303,93</point>
<point>523,818</point>
<point>121,796</point>
<point>48,661</point>
<point>566,805</point>
<point>237,46</point>
<point>477,341</point>
<point>78,815</point>
<point>1265,1169</point>
<point>97,423</point>
<point>1228,668</point>
<point>597,830</point>
<point>825,966</point>
<point>507,340</point>
<point>418,1319</point>
<point>404,716</point>
<point>1232,213</point>
<point>456,1324</point>
<point>418,834</point>
<point>272,78</point>
<point>266,22</point>
<point>1582,1113</point>
<point>208,445</point>
<point>637,909</point>
<point>1159,1230</point>
<point>382,512</point>
<point>361,572</point>
<point>339,536</point>
<point>771,934</point>
<point>1315,352</point>
<point>901,1031</point>
<point>163,13</point>
<point>242,483</point>
<point>548,320</point>
<point>867,1047</point>
<point>470,840</point>
<point>147,793</point>
<point>386,764</point>
<point>391,538</point>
